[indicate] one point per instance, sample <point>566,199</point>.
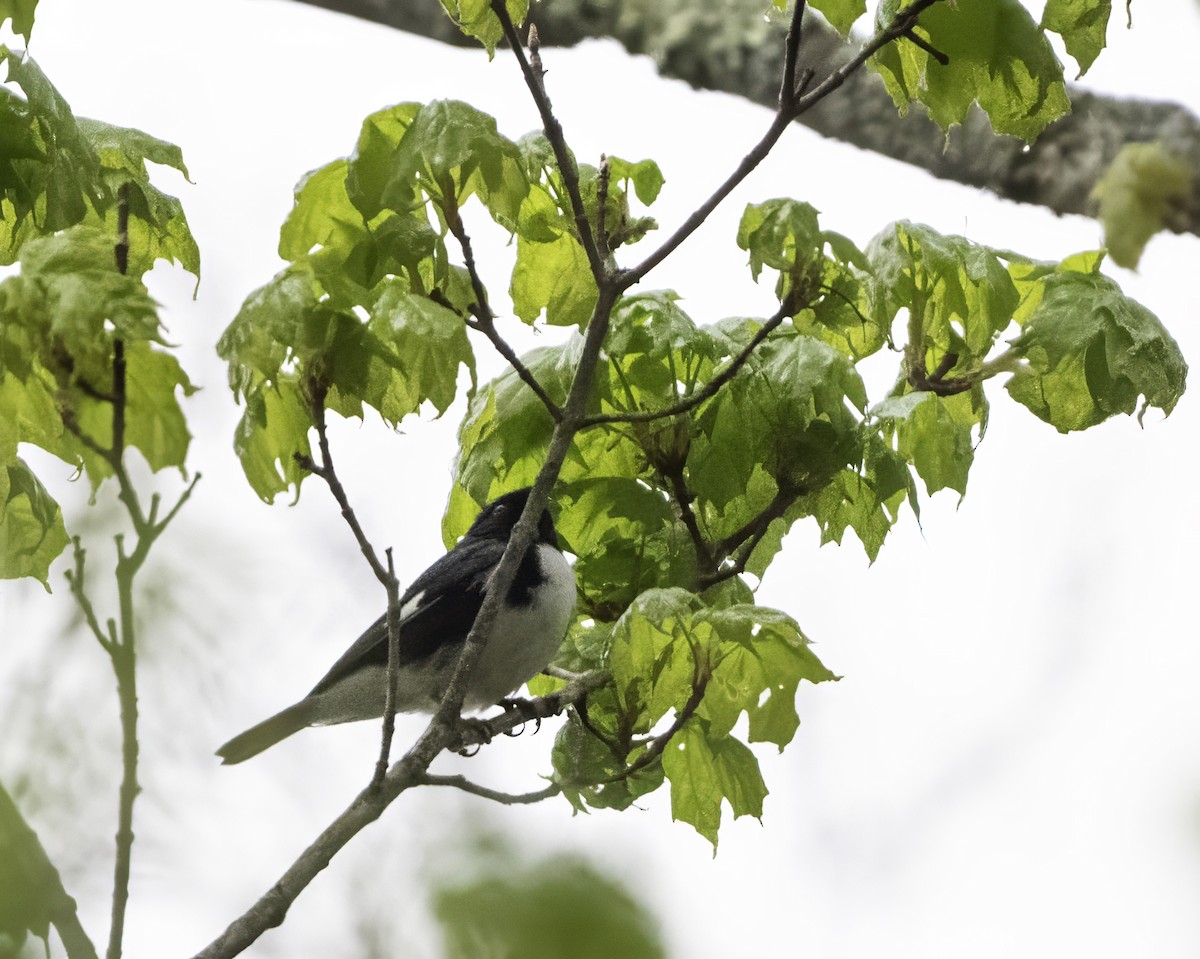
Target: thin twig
<point>683,499</point>
<point>912,36</point>
<point>659,743</point>
<point>184,497</point>
<point>78,584</point>
<point>123,653</point>
<point>789,109</point>
<point>506,799</point>
<point>554,133</point>
<point>485,319</point>
<point>393,672</point>
<point>710,389</point>
<point>791,57</point>
<point>602,179</point>
<point>386,576</point>
<point>326,471</point>
<point>783,498</point>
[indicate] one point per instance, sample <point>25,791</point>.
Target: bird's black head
<point>497,519</point>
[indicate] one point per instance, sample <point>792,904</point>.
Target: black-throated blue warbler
<point>436,614</point>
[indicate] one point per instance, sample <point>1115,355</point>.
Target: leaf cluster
<point>63,314</point>
<point>701,445</point>
<point>373,308</point>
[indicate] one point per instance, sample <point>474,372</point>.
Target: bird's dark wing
<point>451,592</point>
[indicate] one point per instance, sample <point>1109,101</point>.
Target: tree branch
<point>485,319</point>
<point>658,744</point>
<point>315,393</point>
<point>505,799</point>
<point>271,909</point>
<point>791,104</point>
<point>554,133</point>
<point>1058,171</point>
<point>326,471</point>
<point>711,388</point>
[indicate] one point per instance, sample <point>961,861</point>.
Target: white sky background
<point>1011,764</point>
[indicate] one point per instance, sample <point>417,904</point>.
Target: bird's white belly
<point>524,640</point>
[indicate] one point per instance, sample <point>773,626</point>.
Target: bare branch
<point>506,799</point>
<point>554,133</point>
<point>485,319</point>
<point>326,471</point>
<point>790,107</point>
<point>393,673</point>
<point>78,583</point>
<point>791,57</point>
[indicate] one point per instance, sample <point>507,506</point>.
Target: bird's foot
<point>476,730</point>
<point>526,710</point>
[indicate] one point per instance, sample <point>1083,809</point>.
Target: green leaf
<point>841,14</point>
<point>786,412</point>
<point>761,658</point>
<point>560,906</point>
<point>57,170</point>
<point>936,434</point>
<point>370,166</point>
<point>645,175</point>
<point>782,234</point>
<point>450,152</point>
<point>322,214</point>
<point>20,12</point>
<point>751,661</point>
<point>32,534</point>
<point>154,421</point>
<point>504,437</point>
<point>552,274</point>
<point>1082,24</point>
<point>656,356</point>
<point>959,292</point>
<point>416,347</point>
<point>286,342</point>
<point>58,186</point>
<point>272,431</point>
<point>627,540</point>
<point>1029,276</point>
<point>1090,352</point>
<point>998,58</point>
<point>476,19</point>
<point>827,291</point>
<point>702,773</point>
<point>1144,190</point>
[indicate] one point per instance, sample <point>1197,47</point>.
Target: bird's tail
<point>266,734</point>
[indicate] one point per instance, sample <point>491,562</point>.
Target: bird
<point>435,615</point>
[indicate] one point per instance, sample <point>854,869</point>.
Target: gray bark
<point>718,45</point>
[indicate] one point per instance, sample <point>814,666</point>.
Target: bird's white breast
<point>525,639</point>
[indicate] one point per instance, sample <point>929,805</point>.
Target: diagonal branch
<point>792,103</point>
<point>660,742</point>
<point>711,388</point>
<point>554,132</point>
<point>485,319</point>
<point>315,393</point>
